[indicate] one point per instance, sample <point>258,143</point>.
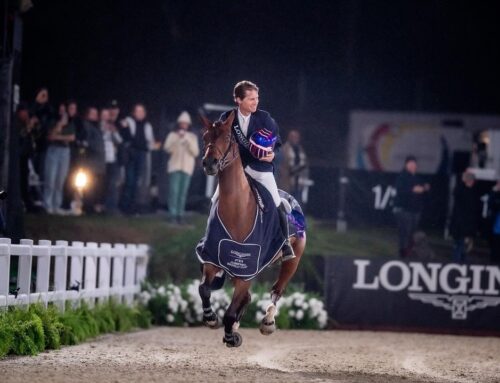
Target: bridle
<point>225,161</point>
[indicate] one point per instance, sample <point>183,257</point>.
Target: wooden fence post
<point>60,252</point>
<point>4,271</point>
<point>118,253</point>
<point>42,252</point>
<point>25,252</point>
<point>104,263</point>
<point>75,251</point>
<point>90,277</point>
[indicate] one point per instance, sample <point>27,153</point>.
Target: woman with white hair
<point>182,146</point>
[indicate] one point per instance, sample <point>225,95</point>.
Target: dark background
<point>314,60</point>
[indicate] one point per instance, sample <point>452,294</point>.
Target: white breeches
<point>264,178</point>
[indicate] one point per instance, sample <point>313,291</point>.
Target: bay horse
<point>237,210</point>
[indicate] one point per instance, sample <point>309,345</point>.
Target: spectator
<point>94,160</point>
<point>44,112</point>
<point>114,111</point>
<point>138,133</point>
<point>408,204</point>
<point>57,162</point>
<point>464,218</point>
<point>27,127</point>
<point>77,150</point>
<point>182,146</point>
<point>122,149</point>
<point>293,167</point>
<point>112,140</point>
<point>494,204</point>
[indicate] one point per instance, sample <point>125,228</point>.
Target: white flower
<point>322,319</point>
<point>161,290</point>
<point>170,318</point>
<point>299,314</point>
<point>259,315</point>
<point>291,313</point>
<point>144,297</point>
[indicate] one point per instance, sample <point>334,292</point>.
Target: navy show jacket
<point>258,120</point>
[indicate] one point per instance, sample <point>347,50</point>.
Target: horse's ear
<point>205,121</point>
<point>229,120</point>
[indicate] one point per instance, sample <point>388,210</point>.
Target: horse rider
<point>258,138</point>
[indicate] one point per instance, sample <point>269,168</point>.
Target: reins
<point>224,161</point>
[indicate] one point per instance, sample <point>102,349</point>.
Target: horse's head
<point>220,148</point>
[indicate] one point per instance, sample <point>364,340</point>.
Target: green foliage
<point>27,330</point>
<point>30,331</point>
<point>6,335</point>
<point>51,325</point>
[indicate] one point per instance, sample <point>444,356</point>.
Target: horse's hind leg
<point>210,318</point>
<point>288,269</point>
<point>241,298</point>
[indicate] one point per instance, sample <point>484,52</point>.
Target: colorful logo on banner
<point>384,147</point>
<point>458,288</point>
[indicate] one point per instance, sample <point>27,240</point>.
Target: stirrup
<point>287,251</point>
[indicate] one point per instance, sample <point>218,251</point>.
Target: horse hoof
<point>235,341</point>
<point>267,328</point>
<point>212,322</point>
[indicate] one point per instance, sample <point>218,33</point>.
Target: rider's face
<point>249,103</point>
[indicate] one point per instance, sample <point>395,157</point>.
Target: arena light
<point>81,180</point>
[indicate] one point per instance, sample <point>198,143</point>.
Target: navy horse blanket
<point>248,258</point>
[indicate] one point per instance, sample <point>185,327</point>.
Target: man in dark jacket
<point>465,214</point>
<point>252,126</point>
<point>408,204</point>
<point>94,158</point>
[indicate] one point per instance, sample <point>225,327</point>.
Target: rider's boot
<point>287,247</point>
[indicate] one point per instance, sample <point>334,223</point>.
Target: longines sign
<point>392,292</point>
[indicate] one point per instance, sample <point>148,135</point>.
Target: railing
<point>61,272</point>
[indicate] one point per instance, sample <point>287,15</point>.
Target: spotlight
<point>81,180</point>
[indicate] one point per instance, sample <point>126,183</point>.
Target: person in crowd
<point>465,215</point>
<point>138,134</point>
<point>57,158</point>
<point>112,140</point>
<point>122,149</point>
<point>494,207</point>
<point>94,160</point>
<point>408,204</point>
<point>77,150</point>
<point>182,146</point>
<point>293,165</point>
<point>27,127</point>
<point>44,112</point>
<point>114,112</point>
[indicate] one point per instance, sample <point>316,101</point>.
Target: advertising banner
<point>380,141</point>
<point>392,293</point>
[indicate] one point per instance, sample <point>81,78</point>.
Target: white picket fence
<point>71,272</point>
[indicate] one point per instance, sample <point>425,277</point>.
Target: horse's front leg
<point>210,318</point>
<point>241,298</point>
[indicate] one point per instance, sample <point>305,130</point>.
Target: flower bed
<point>173,305</point>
